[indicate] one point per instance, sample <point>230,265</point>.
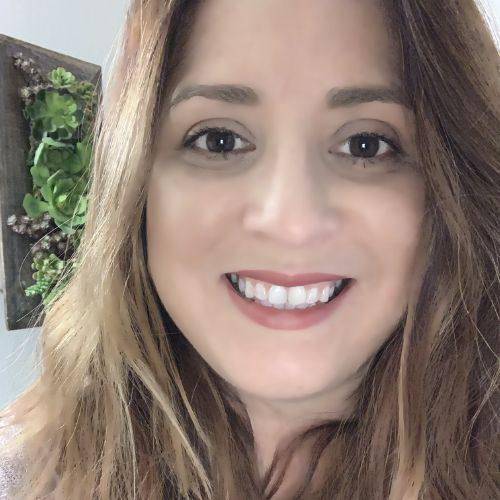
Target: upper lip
<point>288,279</point>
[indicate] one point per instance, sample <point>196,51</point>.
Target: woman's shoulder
<point>11,460</point>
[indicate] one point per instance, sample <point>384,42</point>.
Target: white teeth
<point>312,296</point>
<point>266,303</point>
<point>297,295</point>
<point>260,291</point>
<point>249,293</point>
<point>280,297</point>
<point>277,295</point>
<point>299,306</point>
<point>325,295</point>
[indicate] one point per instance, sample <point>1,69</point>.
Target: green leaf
<point>84,153</point>
<point>55,113</point>
<point>54,178</point>
<point>38,153</point>
<point>82,205</point>
<point>57,215</point>
<point>47,192</point>
<point>65,227</point>
<point>61,199</point>
<point>63,185</point>
<point>61,78</point>
<point>34,207</point>
<point>40,175</point>
<point>55,144</point>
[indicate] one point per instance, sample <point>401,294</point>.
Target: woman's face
<point>293,195</point>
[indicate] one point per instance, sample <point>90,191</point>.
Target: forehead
<point>291,46</point>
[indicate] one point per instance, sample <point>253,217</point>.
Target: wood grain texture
<point>15,178</point>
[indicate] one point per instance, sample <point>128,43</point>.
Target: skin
<point>292,204</point>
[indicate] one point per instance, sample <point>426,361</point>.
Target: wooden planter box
<point>15,256</point>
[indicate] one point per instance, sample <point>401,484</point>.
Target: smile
<point>289,298</point>
<point>281,317</point>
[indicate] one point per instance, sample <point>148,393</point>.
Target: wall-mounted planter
<point>15,178</point>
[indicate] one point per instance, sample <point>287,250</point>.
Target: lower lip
<point>285,319</point>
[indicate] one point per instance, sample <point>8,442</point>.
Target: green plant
<point>60,111</point>
<point>60,171</point>
<point>55,114</point>
<point>48,269</point>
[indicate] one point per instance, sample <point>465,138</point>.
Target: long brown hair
<point>115,414</point>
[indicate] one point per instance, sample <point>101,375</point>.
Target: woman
<point>241,145</point>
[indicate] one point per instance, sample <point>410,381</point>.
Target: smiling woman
<point>289,277</point>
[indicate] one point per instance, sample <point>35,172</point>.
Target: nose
<point>289,202</point>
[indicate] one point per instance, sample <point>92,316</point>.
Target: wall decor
<point>48,103</point>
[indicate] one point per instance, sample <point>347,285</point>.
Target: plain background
<point>87,30</point>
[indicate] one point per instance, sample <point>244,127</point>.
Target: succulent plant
<point>52,156</point>
<point>54,114</point>
<point>63,198</point>
<point>61,78</point>
<point>61,112</point>
<point>48,269</point>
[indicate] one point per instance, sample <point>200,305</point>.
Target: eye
<point>221,143</point>
<point>216,142</point>
<point>366,146</point>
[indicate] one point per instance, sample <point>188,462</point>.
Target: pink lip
<point>292,319</point>
<point>288,279</point>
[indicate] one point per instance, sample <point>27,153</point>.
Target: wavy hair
<point>114,413</point>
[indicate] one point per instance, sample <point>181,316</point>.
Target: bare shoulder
<point>11,461</point>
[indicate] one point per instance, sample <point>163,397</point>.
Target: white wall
<point>86,29</point>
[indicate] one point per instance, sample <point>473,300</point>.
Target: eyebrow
<point>335,97</point>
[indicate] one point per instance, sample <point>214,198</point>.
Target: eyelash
<point>396,150</point>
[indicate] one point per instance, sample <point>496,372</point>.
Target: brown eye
<point>370,146</point>
<point>216,141</point>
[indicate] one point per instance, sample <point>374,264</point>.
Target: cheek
<point>390,227</point>
<point>178,229</point>
<point>178,240</point>
<point>385,228</point>
<point>186,224</point>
